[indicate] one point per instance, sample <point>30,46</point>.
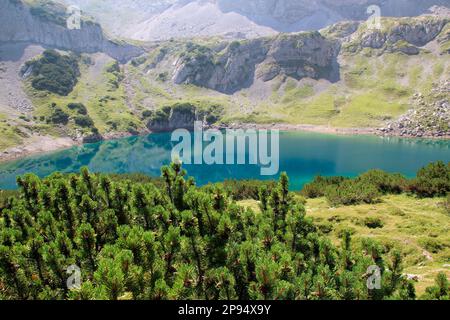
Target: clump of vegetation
<point>136,62</point>
<point>317,187</point>
<point>351,192</point>
<point>137,241</point>
<point>114,74</point>
<point>163,77</point>
<point>235,45</point>
<point>373,223</point>
<point>6,197</point>
<point>58,116</point>
<point>54,72</point>
<point>385,183</point>
<point>79,107</point>
<point>147,114</point>
<point>161,115</point>
<point>198,54</point>
<point>441,289</point>
<point>432,245</point>
<point>137,178</point>
<point>432,181</point>
<point>84,121</point>
<point>244,189</point>
<point>49,11</point>
<point>211,114</point>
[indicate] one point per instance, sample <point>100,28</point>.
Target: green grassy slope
<point>419,228</point>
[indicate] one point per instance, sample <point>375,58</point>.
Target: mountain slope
<point>345,76</point>
<point>42,22</point>
<point>165,19</point>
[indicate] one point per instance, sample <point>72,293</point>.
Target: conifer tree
<point>137,241</point>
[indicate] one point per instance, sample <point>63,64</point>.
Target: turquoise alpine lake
<point>302,155</point>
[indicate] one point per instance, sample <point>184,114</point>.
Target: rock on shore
<point>426,119</point>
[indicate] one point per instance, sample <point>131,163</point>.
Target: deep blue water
<point>302,156</point>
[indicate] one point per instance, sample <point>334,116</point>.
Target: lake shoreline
<point>37,145</point>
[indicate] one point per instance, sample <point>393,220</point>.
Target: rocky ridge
<point>404,35</point>
<point>21,23</point>
<point>296,55</point>
<point>166,19</point>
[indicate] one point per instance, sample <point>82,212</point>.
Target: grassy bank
<point>418,228</point>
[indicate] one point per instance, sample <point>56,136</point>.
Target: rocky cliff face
<point>20,24</point>
<point>182,115</point>
<point>296,55</point>
<point>404,35</point>
<point>302,55</point>
<point>175,117</point>
<point>227,71</point>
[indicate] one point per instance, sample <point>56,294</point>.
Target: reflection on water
<point>302,155</point>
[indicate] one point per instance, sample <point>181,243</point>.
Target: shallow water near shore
<point>303,155</point>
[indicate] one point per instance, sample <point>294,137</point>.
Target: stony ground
<point>426,119</point>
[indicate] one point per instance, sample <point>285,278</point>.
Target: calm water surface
<point>302,156</point>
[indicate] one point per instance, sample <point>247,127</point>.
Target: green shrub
<point>441,289</point>
<point>147,114</point>
<point>234,45</point>
<point>113,67</point>
<point>163,77</point>
<point>432,245</point>
<point>49,11</point>
<point>58,116</point>
<point>5,195</point>
<point>373,223</point>
<point>113,124</point>
<point>351,192</point>
<point>160,116</point>
<point>245,189</point>
<point>136,62</point>
<point>139,178</point>
<point>133,128</point>
<point>184,108</point>
<point>79,107</point>
<point>432,181</point>
<point>198,55</point>
<point>84,121</point>
<point>174,242</point>
<point>54,72</point>
<point>115,74</point>
<point>317,187</point>
<point>386,183</point>
<point>212,114</point>
<point>326,227</point>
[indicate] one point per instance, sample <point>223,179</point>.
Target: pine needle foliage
<point>176,241</point>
